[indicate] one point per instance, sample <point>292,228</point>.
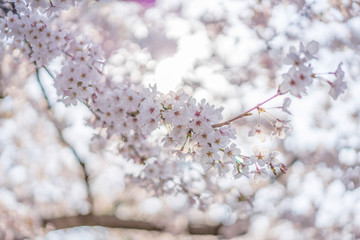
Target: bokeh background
<point>229,52</point>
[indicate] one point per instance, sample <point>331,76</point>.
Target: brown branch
<point>105,221</point>
<point>82,165</point>
<point>248,112</point>
<point>111,221</point>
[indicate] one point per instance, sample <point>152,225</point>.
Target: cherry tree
<point>195,113</point>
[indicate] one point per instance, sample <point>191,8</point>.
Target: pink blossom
<point>286,104</point>
<point>339,85</point>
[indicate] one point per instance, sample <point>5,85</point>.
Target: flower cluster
<point>130,112</point>
<point>80,74</point>
<point>300,74</point>
<point>32,36</point>
<point>191,129</point>
<point>134,112</point>
<point>338,86</point>
<point>126,110</point>
<point>46,6</point>
<point>173,143</point>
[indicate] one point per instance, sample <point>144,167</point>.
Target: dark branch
<point>241,227</point>
<point>66,143</point>
<point>42,89</point>
<point>105,221</point>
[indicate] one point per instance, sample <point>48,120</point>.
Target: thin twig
<point>111,221</point>
<point>247,113</point>
<point>42,89</point>
<point>48,71</point>
<point>67,144</point>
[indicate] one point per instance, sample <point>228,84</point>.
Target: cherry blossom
<point>281,128</point>
<point>286,104</point>
<point>231,152</point>
<point>176,142</point>
<point>132,111</point>
<point>338,86</point>
<point>258,131</point>
<point>260,157</point>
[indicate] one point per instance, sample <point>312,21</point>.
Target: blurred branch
<point>104,221</point>
<point>42,89</point>
<point>66,143</point>
<point>111,221</point>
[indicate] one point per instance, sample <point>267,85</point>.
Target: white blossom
<point>286,105</point>
<point>339,85</point>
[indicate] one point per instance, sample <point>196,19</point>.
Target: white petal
<point>312,47</point>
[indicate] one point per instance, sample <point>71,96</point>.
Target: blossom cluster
<point>300,75</point>
<point>80,73</point>
<point>191,129</point>
<point>31,35</point>
<point>130,112</point>
<point>48,7</point>
<point>338,86</point>
<point>125,112</point>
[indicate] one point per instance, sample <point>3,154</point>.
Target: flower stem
<point>247,113</point>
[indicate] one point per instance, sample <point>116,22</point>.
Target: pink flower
<point>311,49</point>
<point>292,58</point>
<point>295,81</point>
<point>231,152</point>
<point>258,132</point>
<point>260,157</point>
<point>280,129</point>
<point>210,154</point>
<point>286,104</point>
<point>259,173</point>
<point>338,86</point>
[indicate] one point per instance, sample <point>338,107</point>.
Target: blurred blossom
<point>150,116</point>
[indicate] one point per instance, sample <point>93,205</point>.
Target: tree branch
<point>247,113</point>
<point>105,221</point>
<point>66,143</point>
<point>111,221</point>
